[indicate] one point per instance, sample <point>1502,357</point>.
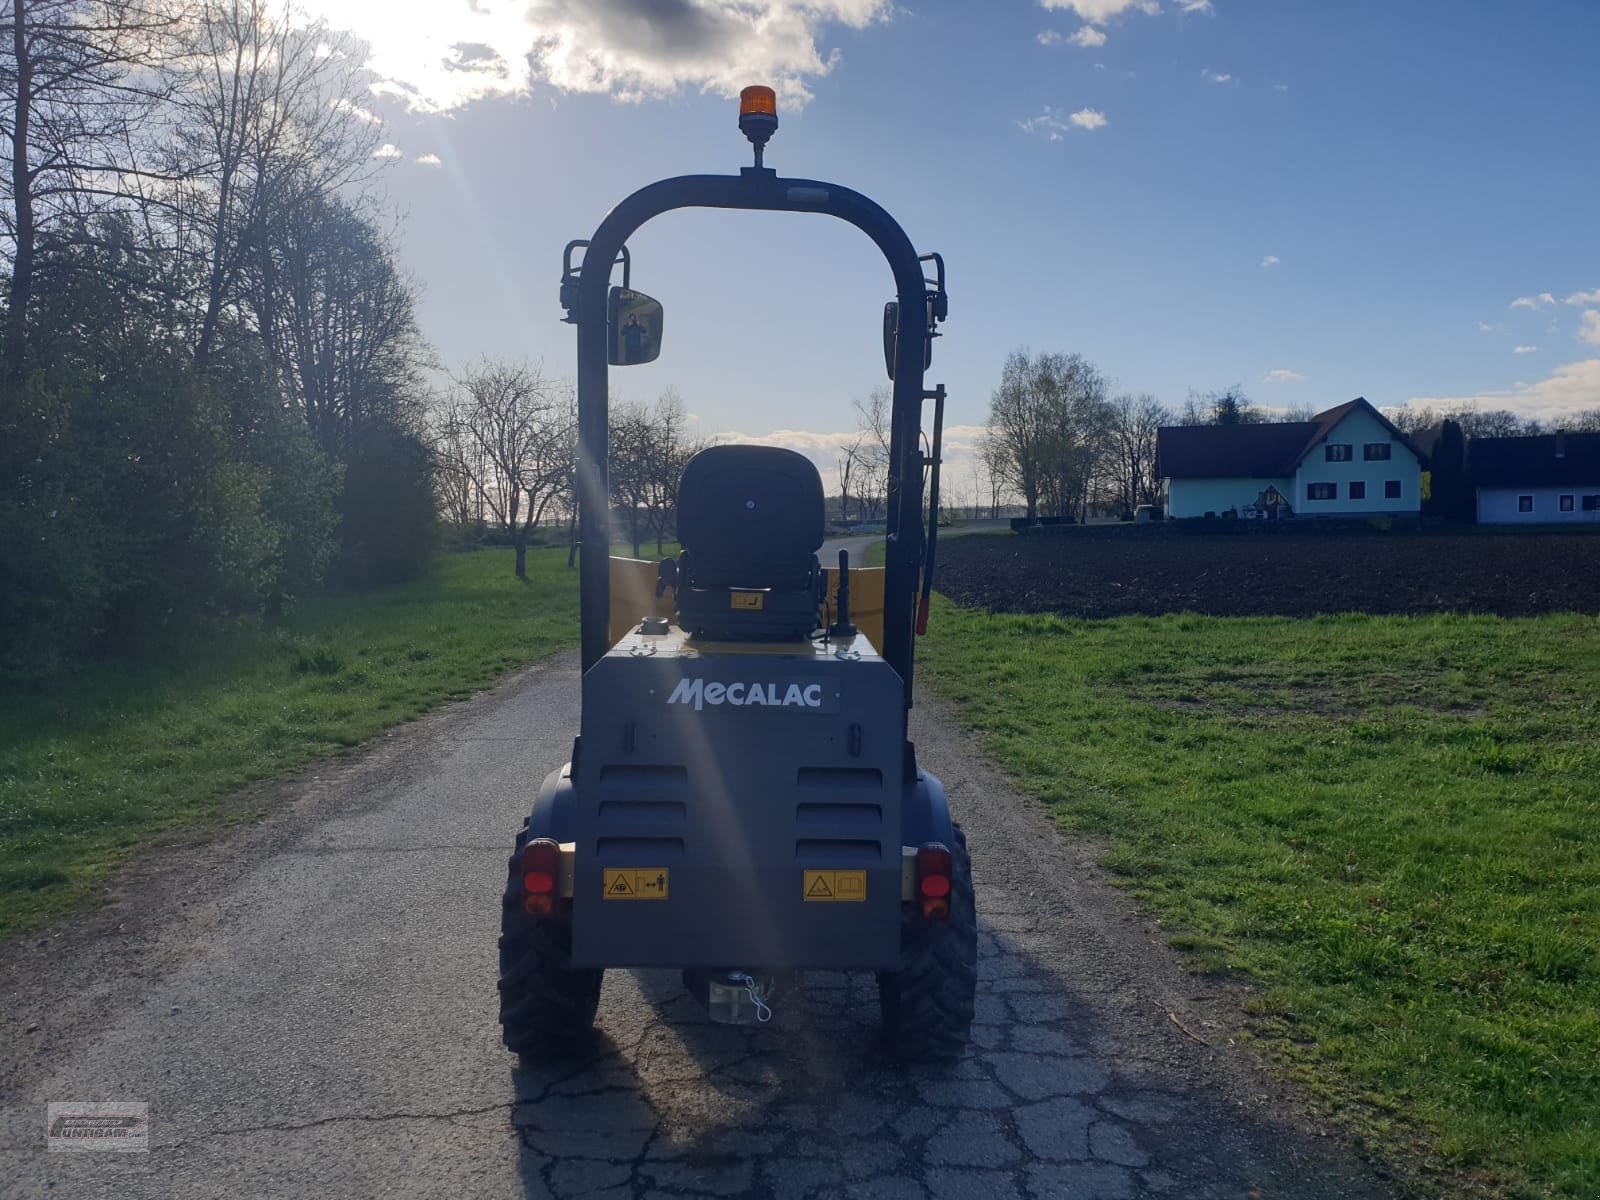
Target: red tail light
<point>935,868</point>
<point>541,875</point>
<point>922,616</point>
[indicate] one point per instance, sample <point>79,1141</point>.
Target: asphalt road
<point>308,1007</point>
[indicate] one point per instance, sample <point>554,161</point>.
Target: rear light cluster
<point>934,870</point>
<point>541,877</point>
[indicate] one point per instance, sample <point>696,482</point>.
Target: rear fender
<point>554,813</point>
<point>925,813</point>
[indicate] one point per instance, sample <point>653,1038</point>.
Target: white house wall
<point>1197,497</point>
<point>1499,506</point>
<point>1356,430</point>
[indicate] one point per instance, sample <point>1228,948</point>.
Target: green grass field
<point>1389,825</point>
<point>93,768</point>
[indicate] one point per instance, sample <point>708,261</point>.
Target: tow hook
<point>736,997</point>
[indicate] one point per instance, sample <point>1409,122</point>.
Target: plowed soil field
<point>1122,571</point>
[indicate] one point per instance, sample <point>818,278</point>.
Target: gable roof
<point>1544,460</point>
<point>1256,451</point>
<point>1231,451</point>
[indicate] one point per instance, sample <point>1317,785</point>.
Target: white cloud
<point>388,150</point>
<point>1088,37</point>
<point>1282,375</point>
<point>1524,349</point>
<point>1485,327</point>
<point>1589,328</point>
<point>441,56</point>
<point>1271,260</point>
<point>428,160</point>
<point>959,446</point>
<point>1570,389</point>
<point>1195,6</point>
<point>1579,299</point>
<point>1054,126</point>
<point>1539,301</point>
<point>1098,12</point>
<point>1211,76</point>
<point>365,116</point>
<point>1280,87</point>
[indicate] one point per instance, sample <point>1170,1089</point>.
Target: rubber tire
<point>927,1005</point>
<point>546,1008</point>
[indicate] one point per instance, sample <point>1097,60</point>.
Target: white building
<point>1347,462</point>
<point>1552,479</point>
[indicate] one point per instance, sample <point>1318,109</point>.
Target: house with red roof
<point>1349,461</point>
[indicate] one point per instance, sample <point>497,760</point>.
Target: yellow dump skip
<point>633,591</point>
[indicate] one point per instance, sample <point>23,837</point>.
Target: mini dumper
<point>743,802</point>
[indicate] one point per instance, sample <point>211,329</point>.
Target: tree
<point>340,321</point>
<point>76,79</point>
<point>516,439</point>
<point>1226,406</point>
<point>845,467</point>
<point>1131,453</point>
<point>871,467</point>
<point>1045,424</point>
<point>992,456</point>
<point>1449,496</point>
<point>650,447</point>
<point>267,125</point>
<point>669,449</point>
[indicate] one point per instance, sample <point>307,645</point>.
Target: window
<point>1391,489</point>
<point>1337,452</point>
<point>1566,504</point>
<point>1524,503</point>
<point>1375,452</point>
<point>1322,491</point>
<point>1591,504</point>
<point>1358,489</point>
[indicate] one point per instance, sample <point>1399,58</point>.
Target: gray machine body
<point>719,776</point>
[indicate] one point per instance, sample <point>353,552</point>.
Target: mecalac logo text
<point>805,695</point>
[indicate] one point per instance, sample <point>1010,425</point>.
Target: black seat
<point>750,520</point>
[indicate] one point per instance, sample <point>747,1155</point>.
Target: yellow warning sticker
<point>833,887</point>
<point>635,883</point>
<point>754,601</point>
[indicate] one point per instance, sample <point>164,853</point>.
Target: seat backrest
<point>755,509</point>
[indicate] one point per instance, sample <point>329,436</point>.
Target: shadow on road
<point>1041,1105</point>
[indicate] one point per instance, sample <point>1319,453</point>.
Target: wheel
<point>546,1008</point>
<point>927,1004</point>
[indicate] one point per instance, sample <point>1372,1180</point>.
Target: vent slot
<point>839,777</point>
<point>675,811</point>
<point>837,850</point>
<point>836,814</point>
<point>644,776</point>
<point>646,851</point>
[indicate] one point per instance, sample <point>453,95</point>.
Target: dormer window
<point>1338,451</point>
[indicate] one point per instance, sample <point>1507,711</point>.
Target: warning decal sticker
<point>635,883</point>
<point>833,887</point>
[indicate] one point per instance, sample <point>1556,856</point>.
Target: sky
<point>1316,199</point>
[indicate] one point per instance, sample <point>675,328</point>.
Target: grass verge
<point>1388,824</point>
<point>93,767</point>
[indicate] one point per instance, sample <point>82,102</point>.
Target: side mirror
<point>633,328</point>
<point>891,336</point>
